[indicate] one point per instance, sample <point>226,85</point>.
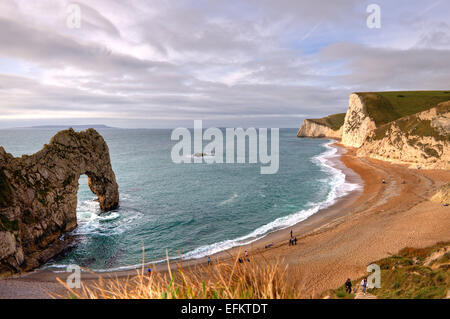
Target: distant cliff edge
<point>330,126</point>
<point>411,127</point>
<point>38,196</point>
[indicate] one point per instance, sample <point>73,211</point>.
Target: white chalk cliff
<point>357,123</point>
<point>312,129</point>
<point>418,140</point>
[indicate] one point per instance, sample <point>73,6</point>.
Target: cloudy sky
<point>266,63</point>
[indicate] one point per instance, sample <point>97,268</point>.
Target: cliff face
<point>329,126</point>
<point>312,129</point>
<point>422,139</point>
<point>357,123</point>
<point>408,127</point>
<point>38,196</point>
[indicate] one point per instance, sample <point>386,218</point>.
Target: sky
<point>250,63</point>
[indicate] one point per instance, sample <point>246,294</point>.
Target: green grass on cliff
<point>413,126</point>
<point>334,121</point>
<point>413,273</point>
<point>385,107</point>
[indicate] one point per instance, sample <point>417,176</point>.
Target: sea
<point>190,210</point>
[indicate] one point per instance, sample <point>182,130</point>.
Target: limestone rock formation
<point>357,123</point>
<point>330,126</point>
<point>38,196</point>
<point>312,129</point>
<point>419,140</point>
<point>409,127</point>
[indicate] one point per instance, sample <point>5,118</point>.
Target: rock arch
<point>38,196</point>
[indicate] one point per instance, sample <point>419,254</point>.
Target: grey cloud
<point>223,61</point>
<point>439,37</point>
<point>390,69</point>
<point>95,20</point>
<point>54,50</point>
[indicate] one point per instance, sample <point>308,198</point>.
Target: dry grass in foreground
<point>258,279</point>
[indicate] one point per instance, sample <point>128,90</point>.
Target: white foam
<point>229,200</point>
<point>92,221</point>
<point>339,188</point>
<point>90,218</point>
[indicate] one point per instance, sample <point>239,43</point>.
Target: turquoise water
<point>197,209</point>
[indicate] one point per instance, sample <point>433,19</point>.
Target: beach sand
<point>334,244</point>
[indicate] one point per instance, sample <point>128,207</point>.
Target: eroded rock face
<point>312,129</point>
<point>38,196</point>
<point>419,140</point>
<point>357,124</point>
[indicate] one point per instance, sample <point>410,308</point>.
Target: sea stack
<point>38,196</point>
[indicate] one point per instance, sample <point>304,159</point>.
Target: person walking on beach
<point>290,241</point>
<point>291,233</point>
<point>295,241</point>
<point>364,285</point>
<point>209,260</point>
<point>149,271</point>
<point>246,256</point>
<point>348,286</point>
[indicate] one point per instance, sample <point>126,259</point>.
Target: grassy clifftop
<point>334,121</point>
<point>412,125</point>
<point>412,273</point>
<point>385,107</point>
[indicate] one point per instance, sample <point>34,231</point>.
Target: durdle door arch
<point>38,196</point>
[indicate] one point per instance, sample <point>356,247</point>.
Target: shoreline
<point>333,160</point>
<point>328,237</point>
